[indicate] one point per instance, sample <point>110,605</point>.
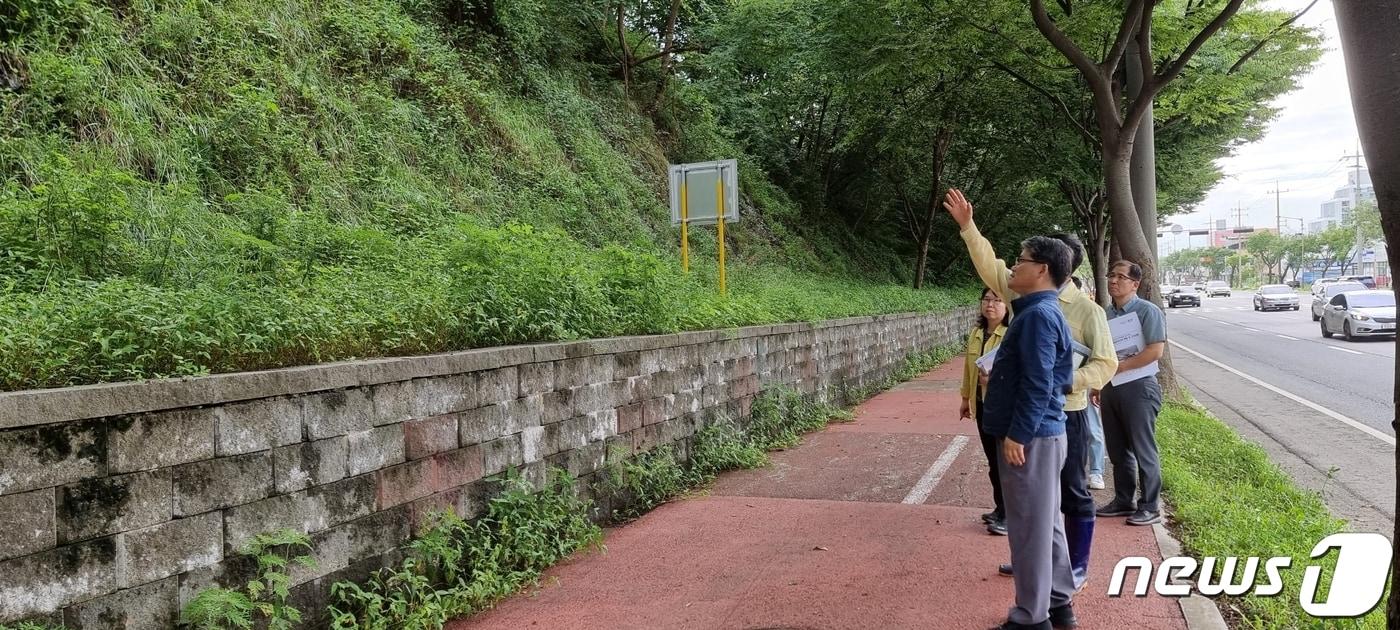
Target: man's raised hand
<point>958,207</point>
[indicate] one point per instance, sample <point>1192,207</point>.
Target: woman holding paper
<point>981,351</point>
<point>1131,400</point>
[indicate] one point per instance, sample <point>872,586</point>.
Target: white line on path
<point>1345,350</point>
<point>929,481</point>
<point>1286,337</point>
<point>1298,399</point>
<point>1251,329</point>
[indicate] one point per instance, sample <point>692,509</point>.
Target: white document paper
<point>985,361</point>
<point>1127,342</point>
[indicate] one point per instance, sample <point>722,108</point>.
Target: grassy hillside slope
<point>192,186</point>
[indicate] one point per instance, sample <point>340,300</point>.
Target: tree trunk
<point>667,38</point>
<point>1144,162</point>
<point>921,262</point>
<point>626,53</point>
<point>1371,44</point>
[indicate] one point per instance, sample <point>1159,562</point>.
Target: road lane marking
<point>1287,337</point>
<point>1251,329</point>
<point>1295,398</point>
<point>930,480</point>
<point>1345,350</point>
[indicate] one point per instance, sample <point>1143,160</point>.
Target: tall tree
<point>1371,44</point>
<point>1117,116</point>
<point>1268,248</point>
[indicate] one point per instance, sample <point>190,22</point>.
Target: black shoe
<point>1006,570</point>
<point>1011,625</point>
<point>991,516</point>
<point>1145,517</point>
<point>1062,617</point>
<point>1113,508</point>
<point>996,528</point>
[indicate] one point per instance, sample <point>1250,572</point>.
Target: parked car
<point>1323,295</point>
<point>1181,296</point>
<point>1319,283</point>
<point>1369,281</point>
<point>1216,288</point>
<point>1362,313</point>
<point>1275,297</point>
<point>1293,283</point>
<point>1200,287</point>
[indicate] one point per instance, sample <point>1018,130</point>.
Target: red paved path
<point>821,539</point>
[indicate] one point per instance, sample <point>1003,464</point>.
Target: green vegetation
<point>1230,500</point>
<point>458,567</point>
<point>197,186</point>
<point>263,598</point>
<point>29,625</point>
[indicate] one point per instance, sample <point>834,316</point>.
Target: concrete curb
<point>1200,612</point>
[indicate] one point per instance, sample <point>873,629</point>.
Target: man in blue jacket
<point>1025,408</point>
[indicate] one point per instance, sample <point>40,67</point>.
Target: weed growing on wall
<point>263,598</point>
<point>458,567</point>
<point>781,415</point>
<point>29,625</point>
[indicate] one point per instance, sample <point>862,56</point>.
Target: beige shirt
<point>1088,324</point>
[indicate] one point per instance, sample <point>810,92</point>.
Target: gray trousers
<point>1130,432</point>
<point>1036,530</point>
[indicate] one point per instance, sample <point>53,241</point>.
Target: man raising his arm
<point>1089,327</point>
<point>1025,410</point>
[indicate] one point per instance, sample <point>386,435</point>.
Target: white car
<point>1275,296</point>
<point>1217,287</point>
<point>1324,294</point>
<point>1361,313</point>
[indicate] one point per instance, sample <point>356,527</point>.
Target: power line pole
<point>1355,198</point>
<point>1278,219</point>
<point>1239,214</point>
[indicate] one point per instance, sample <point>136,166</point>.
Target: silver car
<point>1362,313</point>
<point>1324,294</point>
<point>1275,296</point>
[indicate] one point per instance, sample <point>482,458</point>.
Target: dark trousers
<point>990,447</point>
<point>1075,500</point>
<point>1130,432</point>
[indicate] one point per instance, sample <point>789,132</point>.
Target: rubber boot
<point>1079,537</point>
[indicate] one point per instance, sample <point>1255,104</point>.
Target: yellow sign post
<point>693,203</point>
<point>719,193</point>
<point>685,234</point>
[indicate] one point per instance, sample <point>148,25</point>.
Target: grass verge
<point>1231,500</point>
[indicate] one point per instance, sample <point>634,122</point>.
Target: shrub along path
<point>854,528</point>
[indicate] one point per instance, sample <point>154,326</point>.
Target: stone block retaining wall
<point>119,502</point>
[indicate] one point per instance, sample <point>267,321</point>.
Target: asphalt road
<point>1327,416</point>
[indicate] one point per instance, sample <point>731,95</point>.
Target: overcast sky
<point>1302,149</point>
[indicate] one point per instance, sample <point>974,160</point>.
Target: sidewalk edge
<point>1200,612</point>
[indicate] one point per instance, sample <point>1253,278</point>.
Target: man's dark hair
<point>1054,253</point>
<point>1075,247</point>
<point>1134,269</point>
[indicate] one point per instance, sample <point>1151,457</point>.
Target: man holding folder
<point>1088,328</point>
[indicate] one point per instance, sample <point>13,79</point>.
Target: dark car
<point>1368,281</point>
<point>1182,296</point>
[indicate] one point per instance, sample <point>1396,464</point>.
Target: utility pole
<point>1239,214</point>
<point>1355,197</point>
<point>1278,219</point>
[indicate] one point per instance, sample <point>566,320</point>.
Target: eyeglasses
<point>1026,260</point>
<point>1119,276</point>
<point>991,300</point>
